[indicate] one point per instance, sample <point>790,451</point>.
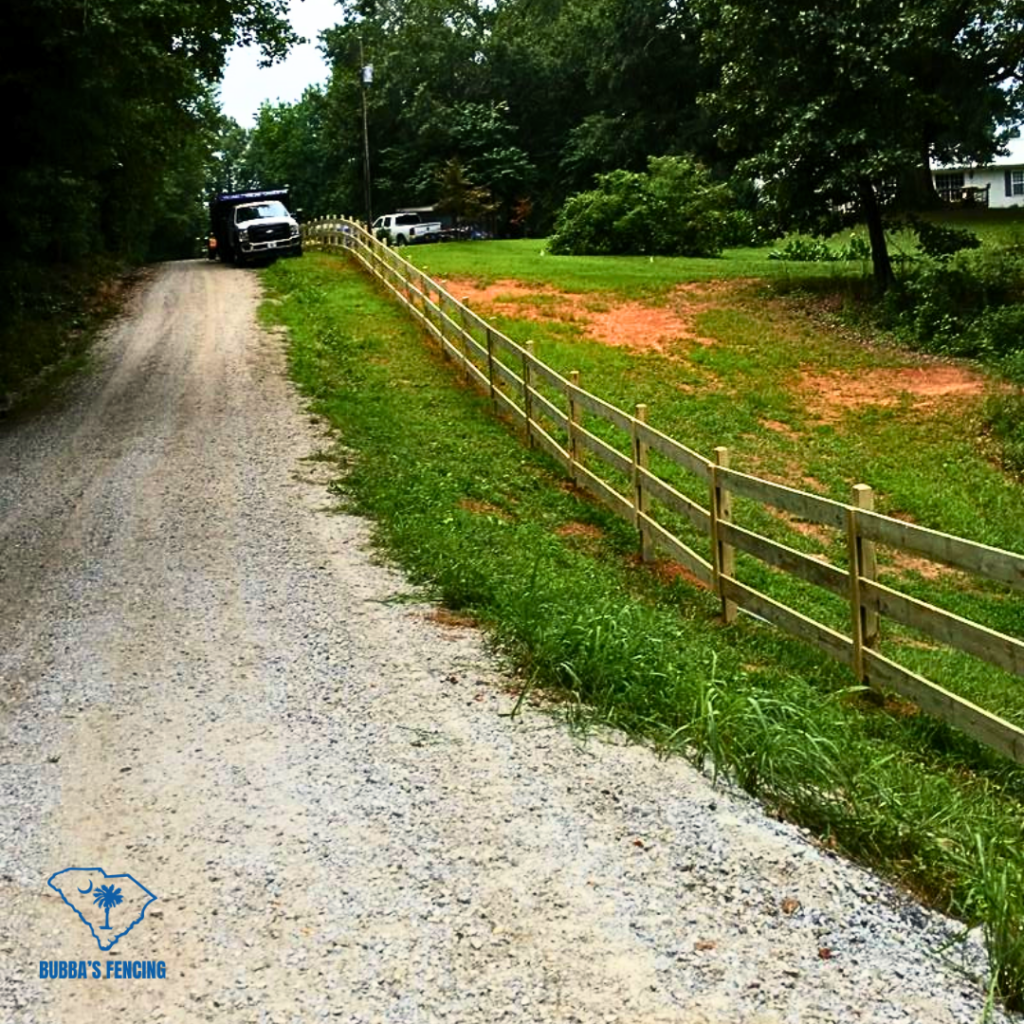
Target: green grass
<point>741,390</point>
<point>638,276</point>
<point>528,260</point>
<point>490,528</point>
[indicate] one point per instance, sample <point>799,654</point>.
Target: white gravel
<point>206,682</point>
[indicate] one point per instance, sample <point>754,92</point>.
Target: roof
<point>1014,158</point>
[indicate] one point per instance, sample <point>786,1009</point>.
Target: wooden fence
<point>520,386</point>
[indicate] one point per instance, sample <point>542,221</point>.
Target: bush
<point>742,228</point>
<point>971,304</point>
<point>815,250</point>
<point>674,209</point>
<point>940,241</point>
<point>1004,423</point>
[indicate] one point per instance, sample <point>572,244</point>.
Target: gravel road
<point>208,682</point>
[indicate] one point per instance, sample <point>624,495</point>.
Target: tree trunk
<point>876,233</point>
<point>915,190</point>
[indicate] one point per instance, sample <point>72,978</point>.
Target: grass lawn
<point>527,260</point>
<point>796,399</point>
<point>493,529</point>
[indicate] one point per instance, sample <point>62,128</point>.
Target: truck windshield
<point>259,211</point>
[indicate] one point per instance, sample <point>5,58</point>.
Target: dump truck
<point>247,226</point>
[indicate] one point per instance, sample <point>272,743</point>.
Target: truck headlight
<point>295,230</point>
<point>243,234</point>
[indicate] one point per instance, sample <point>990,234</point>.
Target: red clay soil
<point>829,395</point>
<point>576,529</point>
<point>449,619</point>
<point>632,325</point>
<point>669,571</point>
<point>781,428</point>
<point>482,508</point>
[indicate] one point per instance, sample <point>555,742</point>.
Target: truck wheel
<point>399,240</point>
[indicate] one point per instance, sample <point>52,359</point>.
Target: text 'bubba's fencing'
<point>644,474</point>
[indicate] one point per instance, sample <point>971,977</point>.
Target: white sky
<point>246,86</point>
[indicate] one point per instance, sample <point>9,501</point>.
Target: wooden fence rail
<point>513,378</point>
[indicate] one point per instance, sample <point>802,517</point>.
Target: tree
<point>293,145</point>
<point>106,898</point>
<point>674,209</point>
<point>829,103</point>
<point>458,196</point>
<point>105,102</point>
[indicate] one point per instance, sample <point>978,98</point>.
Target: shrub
<point>966,305</point>
<point>674,209</point>
<point>816,250</point>
<point>742,228</point>
<point>1004,423</point>
<point>940,241</point>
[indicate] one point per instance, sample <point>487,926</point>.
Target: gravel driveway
<point>207,682</point>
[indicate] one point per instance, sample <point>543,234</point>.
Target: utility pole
<point>365,78</point>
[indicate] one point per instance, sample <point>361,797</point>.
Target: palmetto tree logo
<point>106,897</point>
<point>91,894</point>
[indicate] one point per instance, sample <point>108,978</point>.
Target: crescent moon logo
<point>84,891</point>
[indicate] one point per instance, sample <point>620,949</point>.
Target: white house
<point>997,184</point>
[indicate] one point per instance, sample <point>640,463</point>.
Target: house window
<point>951,186</point>
<point>1017,183</point>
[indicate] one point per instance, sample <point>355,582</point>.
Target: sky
<point>246,86</point>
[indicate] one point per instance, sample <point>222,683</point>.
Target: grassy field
<point>796,399</point>
<point>493,531</point>
<point>527,260</point>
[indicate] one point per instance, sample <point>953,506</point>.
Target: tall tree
<point>829,102</point>
<point>102,101</point>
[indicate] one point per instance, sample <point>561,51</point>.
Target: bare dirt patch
<point>670,571</point>
<point>780,428</point>
<point>633,325</point>
<point>450,620</point>
<point>482,508</point>
<point>804,527</point>
<point>577,529</point>
<point>830,395</point>
<point>902,563</point>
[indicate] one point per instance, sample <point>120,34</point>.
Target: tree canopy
<point>109,110</point>
<point>829,103</point>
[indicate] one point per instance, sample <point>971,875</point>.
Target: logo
<point>110,906</point>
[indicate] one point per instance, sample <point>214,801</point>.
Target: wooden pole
<point>575,451</point>
<point>527,404</point>
<point>862,566</point>
<point>723,556</point>
<point>490,368</point>
<point>466,350</point>
<point>641,499</point>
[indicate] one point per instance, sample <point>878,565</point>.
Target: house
<point>997,184</point>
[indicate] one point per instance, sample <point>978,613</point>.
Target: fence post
<point>527,404</point>
<point>723,556</point>
<point>575,454</point>
<point>421,285</point>
<point>641,499</point>
<point>466,334</point>
<point>861,553</point>
<point>490,367</point>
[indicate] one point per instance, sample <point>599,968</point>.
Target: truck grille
<point>269,232</point>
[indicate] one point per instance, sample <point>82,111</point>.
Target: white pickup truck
<point>405,228</point>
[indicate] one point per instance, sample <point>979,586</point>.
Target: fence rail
<point>512,377</point>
